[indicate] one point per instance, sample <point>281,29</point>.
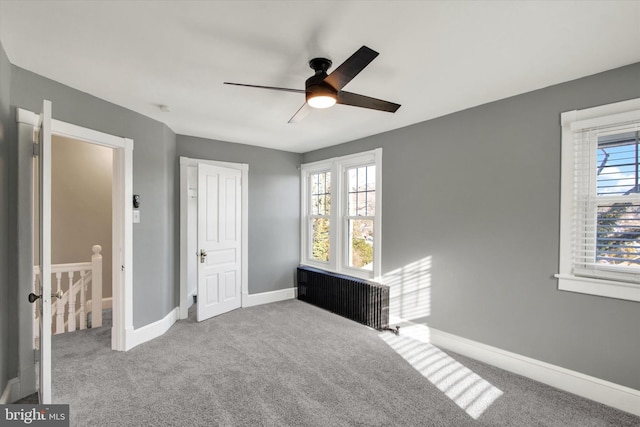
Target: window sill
<point>359,274</point>
<point>604,288</point>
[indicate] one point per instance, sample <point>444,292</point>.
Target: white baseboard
<point>608,393</point>
<point>249,300</point>
<point>28,380</point>
<point>11,392</point>
<point>134,337</point>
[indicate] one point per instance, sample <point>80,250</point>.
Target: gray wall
<point>477,195</point>
<point>472,199</point>
<point>81,181</point>
<point>274,207</point>
<point>8,355</point>
<point>154,284</point>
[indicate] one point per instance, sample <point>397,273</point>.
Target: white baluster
<point>96,287</point>
<point>83,314</point>
<point>59,306</point>
<point>71,298</point>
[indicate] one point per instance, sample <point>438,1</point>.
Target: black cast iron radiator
<point>356,299</point>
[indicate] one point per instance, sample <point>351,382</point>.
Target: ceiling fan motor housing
<point>315,85</point>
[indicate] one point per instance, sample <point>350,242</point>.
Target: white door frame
<point>122,235</point>
<point>44,252</point>
<point>187,252</point>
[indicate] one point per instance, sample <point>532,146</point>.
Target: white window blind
<point>606,203</point>
<point>600,202</point>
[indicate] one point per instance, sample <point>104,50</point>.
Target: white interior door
<point>219,240</point>
<point>44,251</point>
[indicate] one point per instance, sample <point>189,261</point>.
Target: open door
<point>44,251</point>
<point>219,240</point>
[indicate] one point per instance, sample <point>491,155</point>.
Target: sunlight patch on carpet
<point>460,384</point>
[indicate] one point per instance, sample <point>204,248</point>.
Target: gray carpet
<point>289,364</point>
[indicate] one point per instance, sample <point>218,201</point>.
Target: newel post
<point>96,287</point>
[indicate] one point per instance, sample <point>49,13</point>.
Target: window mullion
<point>336,213</point>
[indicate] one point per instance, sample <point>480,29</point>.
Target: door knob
<point>33,297</point>
<point>203,255</point>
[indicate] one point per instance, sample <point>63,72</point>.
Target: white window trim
<point>337,166</point>
<point>572,122</point>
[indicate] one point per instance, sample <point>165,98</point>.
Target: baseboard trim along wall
<point>608,393</point>
<point>134,337</point>
<point>11,392</point>
<point>269,297</point>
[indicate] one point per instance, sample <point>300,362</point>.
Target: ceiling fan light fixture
<point>321,101</point>
<point>324,90</point>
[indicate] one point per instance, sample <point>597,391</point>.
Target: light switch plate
<point>136,216</point>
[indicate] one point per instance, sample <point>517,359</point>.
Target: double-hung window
<point>600,205</point>
<point>341,214</point>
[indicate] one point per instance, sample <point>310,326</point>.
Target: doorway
<point>122,237</point>
<point>122,241</point>
<point>81,229</point>
<point>219,274</point>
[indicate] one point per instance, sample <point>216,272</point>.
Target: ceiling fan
<point>324,90</point>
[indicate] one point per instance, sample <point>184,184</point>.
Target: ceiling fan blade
<point>284,89</point>
<point>351,67</point>
<point>300,114</point>
<point>353,99</point>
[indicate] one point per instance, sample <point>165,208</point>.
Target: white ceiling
<point>436,57</point>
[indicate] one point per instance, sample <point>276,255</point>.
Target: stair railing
<point>71,310</point>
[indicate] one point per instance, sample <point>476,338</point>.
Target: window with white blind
<point>340,214</point>
<point>600,205</point>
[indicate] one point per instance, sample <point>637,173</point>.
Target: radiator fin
<point>361,300</point>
